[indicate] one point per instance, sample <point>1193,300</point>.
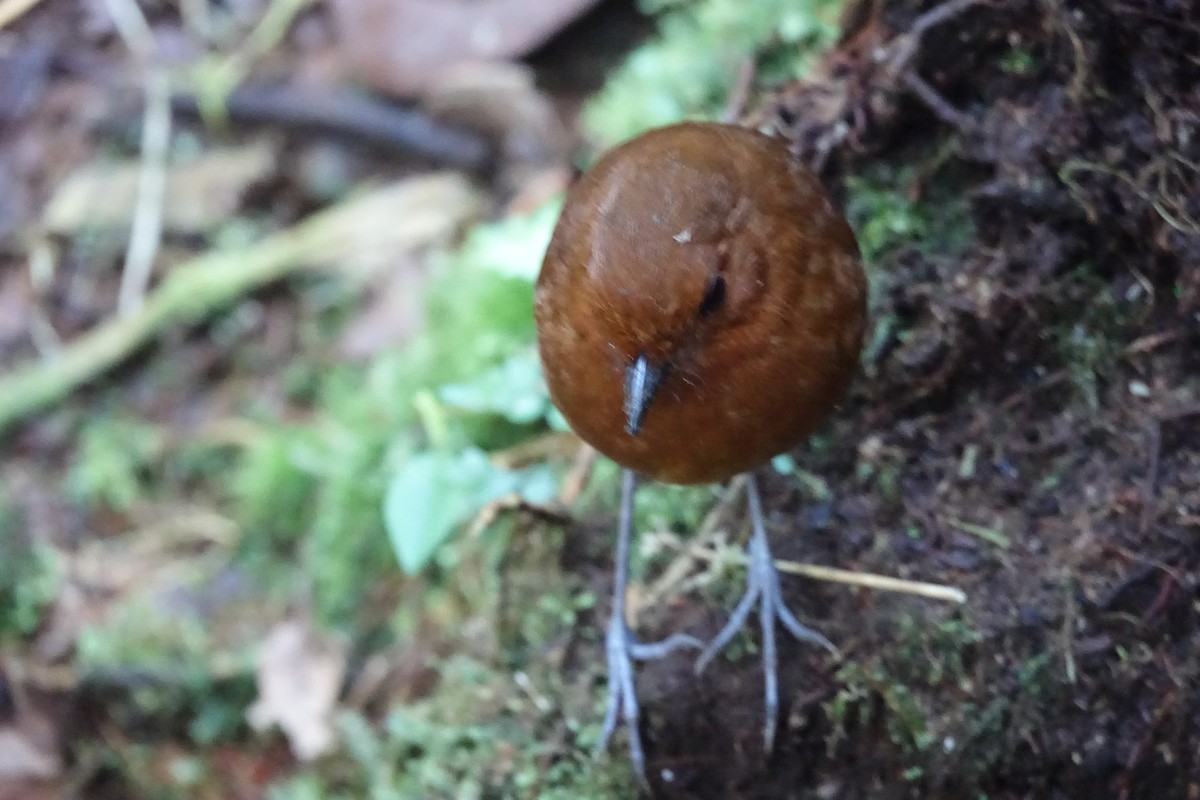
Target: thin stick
<point>740,95</point>
<point>145,234</point>
<point>989,535</point>
<point>577,478</point>
<point>677,572</point>
<point>132,27</point>
<point>883,583</point>
<point>942,13</point>
<point>869,580</point>
<point>42,261</point>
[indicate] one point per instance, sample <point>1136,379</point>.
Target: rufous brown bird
<point>700,309</point>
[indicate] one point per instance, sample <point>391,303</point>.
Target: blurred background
<point>286,512</point>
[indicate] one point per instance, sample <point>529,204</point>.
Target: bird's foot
<point>622,649</point>
<point>763,589</point>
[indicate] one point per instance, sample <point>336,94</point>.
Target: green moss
<point>1089,338</point>
<point>915,680</point>
<point>114,463</point>
<point>30,577</point>
<point>483,736</point>
<point>893,208</point>
<point>1018,61</point>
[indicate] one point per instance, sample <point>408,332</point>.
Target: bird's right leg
<point>622,648</point>
<point>762,590</point>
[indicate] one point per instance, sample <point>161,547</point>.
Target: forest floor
<point>1024,178</point>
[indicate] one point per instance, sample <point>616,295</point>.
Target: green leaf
<point>434,492</point>
<point>513,247</point>
<point>514,390</point>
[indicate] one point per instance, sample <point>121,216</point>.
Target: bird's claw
<point>622,649</point>
<point>763,589</point>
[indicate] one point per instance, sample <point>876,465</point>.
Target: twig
<point>348,114</point>
<point>132,27</point>
<point>989,535</point>
<point>942,13</point>
<point>883,583</point>
<point>736,104</point>
<point>42,264</point>
<point>407,214</point>
<point>511,503</point>
<point>674,578</point>
<point>145,233</point>
<point>868,580</point>
<point>577,477</point>
<point>1180,221</point>
<point>1068,635</point>
<point>1142,345</point>
<point>903,49</point>
<point>276,21</point>
<point>936,103</point>
<point>196,16</point>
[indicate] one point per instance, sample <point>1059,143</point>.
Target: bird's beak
<point>641,382</point>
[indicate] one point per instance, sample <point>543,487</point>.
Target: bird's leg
<point>763,588</point>
<point>622,648</point>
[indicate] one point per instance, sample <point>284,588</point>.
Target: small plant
<point>30,577</point>
<point>1019,61</point>
<point>464,745</point>
<point>114,463</point>
<point>883,217</point>
<point>1089,340</point>
<point>914,680</point>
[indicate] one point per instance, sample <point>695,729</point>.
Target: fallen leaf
<point>299,678</point>
<point>200,194</point>
<point>401,46</point>
<point>20,758</point>
<point>504,100</point>
<point>29,745</point>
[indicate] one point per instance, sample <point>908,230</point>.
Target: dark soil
<point>1042,381</point>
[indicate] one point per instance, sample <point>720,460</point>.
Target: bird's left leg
<point>763,589</point>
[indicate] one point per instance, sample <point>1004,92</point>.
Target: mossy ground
<point>1023,429</point>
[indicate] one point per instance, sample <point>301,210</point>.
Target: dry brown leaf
<point>300,676</point>
<point>200,195</point>
<point>504,100</point>
<point>21,758</point>
<point>401,46</point>
<point>29,746</point>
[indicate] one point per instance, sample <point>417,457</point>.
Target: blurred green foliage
<point>431,491</point>
<point>689,71</point>
<point>468,743</point>
<point>1089,342</point>
<point>114,461</point>
<point>883,216</point>
<point>30,577</point>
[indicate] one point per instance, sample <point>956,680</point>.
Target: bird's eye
<point>714,295</point>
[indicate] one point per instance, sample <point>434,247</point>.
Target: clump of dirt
<point>1025,428</point>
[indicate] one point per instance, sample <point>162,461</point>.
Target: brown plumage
<point>750,367</point>
<point>700,309</point>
